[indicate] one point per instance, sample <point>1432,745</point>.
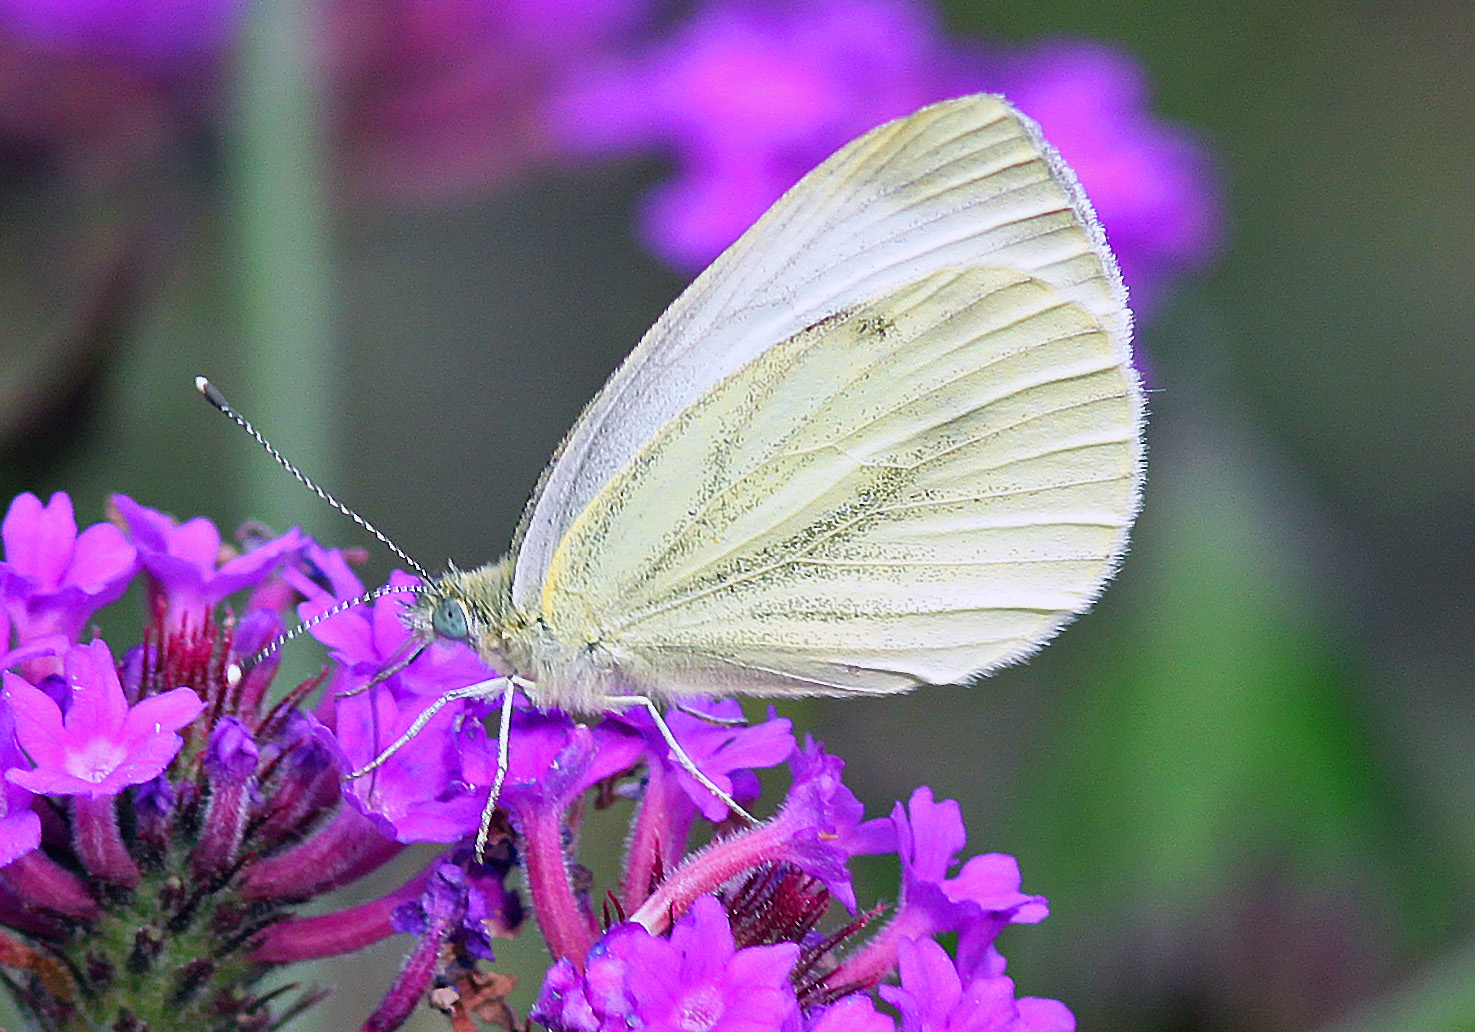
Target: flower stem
<point>567,926</point>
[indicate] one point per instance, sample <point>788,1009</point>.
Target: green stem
<point>284,258</point>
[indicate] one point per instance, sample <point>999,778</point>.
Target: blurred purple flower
<point>102,745</point>
<point>748,95</point>
<point>1152,184</point>
<point>695,979</point>
<point>161,33</point>
<point>429,100</point>
<point>53,579</point>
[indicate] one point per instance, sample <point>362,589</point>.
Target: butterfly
<point>891,437</point>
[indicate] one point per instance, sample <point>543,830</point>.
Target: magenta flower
<point>53,579</point>
<point>728,754</point>
<point>432,789</point>
<point>695,979</point>
<point>102,745</point>
<point>748,95</point>
<point>255,817</point>
<point>854,1013</point>
<point>20,827</point>
<point>184,560</point>
<point>937,996</point>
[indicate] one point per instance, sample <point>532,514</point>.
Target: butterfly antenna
<point>327,614</point>
<point>211,394</point>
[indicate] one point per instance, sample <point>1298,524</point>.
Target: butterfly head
<point>471,606</point>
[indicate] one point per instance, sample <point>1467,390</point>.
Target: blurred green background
<point>1246,780</point>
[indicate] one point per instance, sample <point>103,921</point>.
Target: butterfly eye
<point>449,620</point>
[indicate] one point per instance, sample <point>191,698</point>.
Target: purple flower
<point>554,760</point>
<point>552,763</point>
<point>20,828</point>
<point>812,831</point>
<point>431,789</point>
<point>728,754</point>
<point>748,95</point>
<point>936,996</point>
<point>230,761</point>
<point>150,32</point>
<point>453,916</point>
<point>102,745</point>
<point>672,798</point>
<point>53,579</point>
<point>696,979</point>
<point>985,889</point>
<point>853,1013</point>
<point>367,639</point>
<point>727,939</point>
<point>450,907</point>
<point>184,560</point>
<point>978,902</point>
<point>231,754</point>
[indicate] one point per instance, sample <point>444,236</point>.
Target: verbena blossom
<point>101,744</point>
<point>52,578</point>
<point>745,96</point>
<point>166,811</point>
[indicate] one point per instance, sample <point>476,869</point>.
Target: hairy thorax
<point>577,676</point>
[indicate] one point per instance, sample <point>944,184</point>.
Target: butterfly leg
<point>711,718</point>
<point>384,674</point>
<point>504,751</point>
<point>472,691</point>
<point>687,763</point>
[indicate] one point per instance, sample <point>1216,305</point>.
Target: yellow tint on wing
<point>916,490</point>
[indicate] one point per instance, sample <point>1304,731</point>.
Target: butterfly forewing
<point>958,185</point>
<point>914,490</point>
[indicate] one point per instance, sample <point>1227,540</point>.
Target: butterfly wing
<point>911,491</point>
<point>962,183</point>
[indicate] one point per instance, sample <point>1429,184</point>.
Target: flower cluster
<point>165,812</point>
<point>746,96</point>
<point>431,101</point>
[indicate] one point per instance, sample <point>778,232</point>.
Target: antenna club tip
<point>210,393</point>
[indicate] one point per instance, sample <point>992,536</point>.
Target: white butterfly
<point>891,437</point>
